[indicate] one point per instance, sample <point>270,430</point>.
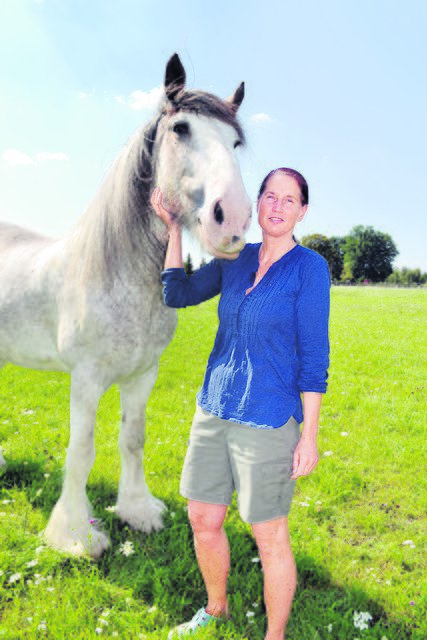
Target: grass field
<point>358,524</point>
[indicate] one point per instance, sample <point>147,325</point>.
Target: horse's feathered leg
<point>70,527</point>
<point>135,504</point>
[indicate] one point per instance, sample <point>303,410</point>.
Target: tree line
<point>364,255</point>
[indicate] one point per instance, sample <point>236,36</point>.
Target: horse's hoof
<point>144,514</point>
<point>79,539</point>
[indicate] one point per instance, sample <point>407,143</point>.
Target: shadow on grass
<point>163,570</point>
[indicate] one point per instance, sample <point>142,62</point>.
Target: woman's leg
<point>280,578</point>
<point>212,552</point>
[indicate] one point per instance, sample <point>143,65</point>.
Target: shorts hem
<point>260,520</point>
<point>197,498</point>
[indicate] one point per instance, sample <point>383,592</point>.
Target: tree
<point>337,267</point>
<point>369,254</point>
<point>407,276</point>
<point>330,249</point>
<point>188,266</point>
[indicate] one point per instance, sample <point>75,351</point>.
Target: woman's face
<point>279,207</point>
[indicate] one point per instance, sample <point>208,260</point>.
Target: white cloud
<point>15,158</point>
<point>143,100</point>
<point>261,117</point>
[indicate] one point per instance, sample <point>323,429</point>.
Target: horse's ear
<point>174,77</point>
<point>236,99</point>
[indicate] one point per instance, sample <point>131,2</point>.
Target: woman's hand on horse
<point>156,202</point>
<point>305,458</point>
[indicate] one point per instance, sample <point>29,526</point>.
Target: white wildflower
<point>29,619</point>
<point>46,475</point>
<point>152,609</point>
<point>409,543</point>
<point>98,630</point>
<point>39,492</point>
<point>106,613</point>
<point>103,621</point>
<point>344,433</point>
<point>6,501</point>
<point>40,549</point>
<point>3,513</point>
<point>126,548</point>
<point>15,577</point>
<point>50,589</point>
<point>255,605</point>
<point>328,453</point>
<point>361,619</point>
<point>42,626</point>
<point>250,614</point>
<point>255,560</point>
<point>112,509</point>
<point>32,563</point>
<point>330,627</point>
<point>1,572</point>
<point>304,504</point>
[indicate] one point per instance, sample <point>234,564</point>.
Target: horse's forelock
<point>206,104</point>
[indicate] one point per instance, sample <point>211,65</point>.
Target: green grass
<point>366,498</point>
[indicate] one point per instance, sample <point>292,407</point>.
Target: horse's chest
<point>136,329</point>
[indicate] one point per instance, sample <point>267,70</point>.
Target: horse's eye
<point>181,128</point>
<point>237,144</point>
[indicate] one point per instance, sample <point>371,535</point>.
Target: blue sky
<point>335,89</point>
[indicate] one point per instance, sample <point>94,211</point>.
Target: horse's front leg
<point>135,504</point>
<point>70,527</point>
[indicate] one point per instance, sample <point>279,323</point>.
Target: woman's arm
<point>178,289</point>
<point>312,315</point>
<point>173,259</point>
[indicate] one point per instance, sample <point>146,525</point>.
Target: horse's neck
<point>119,233</point>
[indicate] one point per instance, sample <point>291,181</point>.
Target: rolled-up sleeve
<point>180,290</point>
<point>312,316</point>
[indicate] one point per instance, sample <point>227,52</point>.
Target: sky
<point>334,88</point>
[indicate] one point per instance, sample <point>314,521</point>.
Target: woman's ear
<point>302,213</point>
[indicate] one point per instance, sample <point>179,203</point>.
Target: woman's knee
<point>206,518</point>
<point>272,537</point>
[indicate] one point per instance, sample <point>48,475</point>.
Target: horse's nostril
<point>218,213</point>
<point>235,239</point>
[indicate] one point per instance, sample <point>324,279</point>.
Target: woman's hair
<point>302,182</point>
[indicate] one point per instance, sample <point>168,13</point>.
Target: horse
<point>91,304</point>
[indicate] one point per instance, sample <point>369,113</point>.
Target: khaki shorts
<point>225,456</point>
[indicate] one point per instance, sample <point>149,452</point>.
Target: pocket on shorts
<point>275,477</point>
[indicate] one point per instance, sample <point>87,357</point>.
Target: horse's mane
<point>119,225</point>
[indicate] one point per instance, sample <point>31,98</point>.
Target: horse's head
<point>196,166</point>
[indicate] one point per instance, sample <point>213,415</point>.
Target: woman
<point>271,347</point>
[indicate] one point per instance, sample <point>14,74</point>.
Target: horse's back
<point>28,261</point>
<point>12,235</point>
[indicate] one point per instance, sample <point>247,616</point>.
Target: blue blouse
<point>271,344</point>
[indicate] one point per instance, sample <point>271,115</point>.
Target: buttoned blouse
<point>271,344</point>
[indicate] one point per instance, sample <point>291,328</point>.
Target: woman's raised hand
<point>156,202</point>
